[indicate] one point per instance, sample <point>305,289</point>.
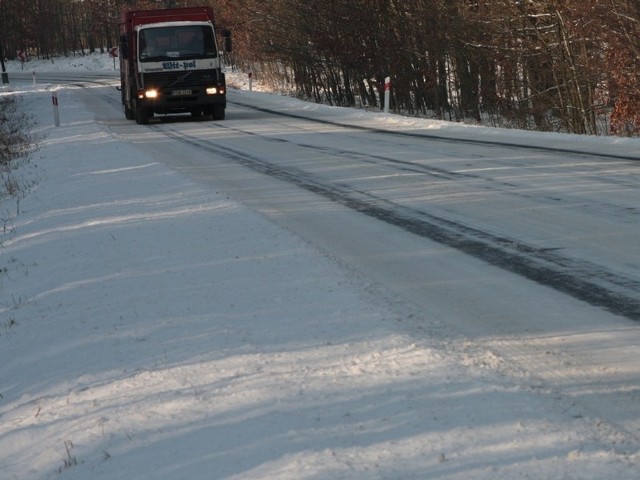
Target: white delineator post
<point>56,113</point>
<point>34,78</point>
<point>387,94</point>
<point>250,82</point>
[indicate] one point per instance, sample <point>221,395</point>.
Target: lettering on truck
<point>178,65</point>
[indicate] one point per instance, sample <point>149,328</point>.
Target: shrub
<point>17,144</point>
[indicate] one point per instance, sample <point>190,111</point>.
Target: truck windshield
<point>176,42</point>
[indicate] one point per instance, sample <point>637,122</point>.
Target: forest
<point>551,65</point>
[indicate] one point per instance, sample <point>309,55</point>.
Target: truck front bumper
<point>171,100</point>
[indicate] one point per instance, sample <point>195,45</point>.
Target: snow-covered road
<point>413,299</point>
<point>565,220</point>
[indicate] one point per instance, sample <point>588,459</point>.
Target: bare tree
<point>560,65</point>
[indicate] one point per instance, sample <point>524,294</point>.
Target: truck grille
<point>192,78</point>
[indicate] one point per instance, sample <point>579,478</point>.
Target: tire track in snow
<point>583,280</point>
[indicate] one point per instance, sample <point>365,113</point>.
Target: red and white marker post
<point>387,94</point>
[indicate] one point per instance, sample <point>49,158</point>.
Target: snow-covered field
<point>151,328</point>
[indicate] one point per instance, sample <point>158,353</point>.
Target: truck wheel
<point>218,112</point>
<point>142,115</point>
<point>128,113</point>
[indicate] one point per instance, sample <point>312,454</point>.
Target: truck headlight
<point>151,93</point>
<point>212,90</point>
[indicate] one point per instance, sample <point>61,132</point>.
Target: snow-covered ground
<point>152,328</point>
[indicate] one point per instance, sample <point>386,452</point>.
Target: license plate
<point>180,92</point>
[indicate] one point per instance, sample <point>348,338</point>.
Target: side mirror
<point>228,43</point>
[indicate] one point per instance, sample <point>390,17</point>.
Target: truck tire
<point>128,113</point>
<point>218,112</point>
<point>142,115</point>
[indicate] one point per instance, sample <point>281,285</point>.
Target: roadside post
<point>56,113</point>
<point>250,81</point>
<point>387,94</point>
<point>5,75</point>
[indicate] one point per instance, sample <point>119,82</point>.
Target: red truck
<point>170,63</point>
